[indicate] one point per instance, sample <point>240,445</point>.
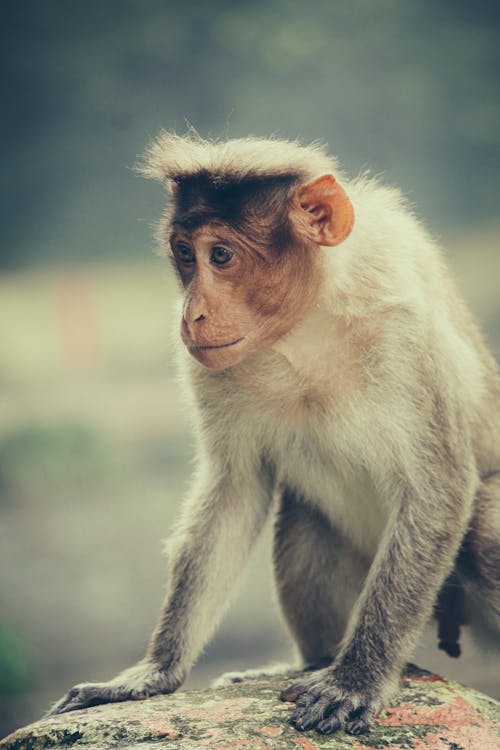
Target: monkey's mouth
<point>208,347</point>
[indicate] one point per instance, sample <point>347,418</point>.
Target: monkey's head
<point>244,225</point>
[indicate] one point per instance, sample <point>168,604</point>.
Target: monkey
<point>338,381</point>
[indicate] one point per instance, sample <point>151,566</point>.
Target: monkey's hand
<point>140,681</point>
<point>327,703</point>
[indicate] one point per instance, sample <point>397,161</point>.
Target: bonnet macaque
<point>338,381</point>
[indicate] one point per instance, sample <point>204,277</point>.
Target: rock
<point>429,713</point>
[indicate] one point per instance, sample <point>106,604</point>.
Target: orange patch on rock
<point>467,738</point>
<point>305,743</point>
<point>458,713</point>
<point>431,742</point>
<point>223,710</point>
<point>240,745</point>
<point>163,728</point>
<point>272,731</point>
<point>427,678</point>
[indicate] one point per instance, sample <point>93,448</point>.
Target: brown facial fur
<point>273,274</point>
<point>246,304</point>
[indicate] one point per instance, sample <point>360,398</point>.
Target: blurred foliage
<point>408,88</point>
<point>13,664</point>
<point>41,458</point>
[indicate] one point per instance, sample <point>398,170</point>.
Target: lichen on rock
<point>429,713</point>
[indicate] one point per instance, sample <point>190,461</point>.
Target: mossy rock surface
<point>429,713</point>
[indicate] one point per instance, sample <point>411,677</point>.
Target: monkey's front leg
<point>212,543</point>
<point>414,557</point>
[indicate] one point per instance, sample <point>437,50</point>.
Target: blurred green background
<point>94,441</point>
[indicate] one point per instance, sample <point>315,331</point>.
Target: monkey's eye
<point>220,255</point>
<point>184,254</point>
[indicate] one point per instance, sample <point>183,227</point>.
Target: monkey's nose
<point>190,324</point>
<point>192,321</point>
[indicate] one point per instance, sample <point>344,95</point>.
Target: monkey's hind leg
<point>479,565</point>
<point>318,578</point>
<point>231,678</point>
<point>315,601</point>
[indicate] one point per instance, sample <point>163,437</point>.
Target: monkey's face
<point>248,279</point>
<point>238,299</point>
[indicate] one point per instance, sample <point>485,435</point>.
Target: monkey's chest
<point>315,469</point>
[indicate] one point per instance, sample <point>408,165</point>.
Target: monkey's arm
<point>221,519</point>
<point>414,557</point>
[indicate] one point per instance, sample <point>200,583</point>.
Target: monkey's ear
<point>328,210</point>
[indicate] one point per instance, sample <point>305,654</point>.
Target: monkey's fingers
<point>331,715</point>
<point>87,695</point>
<point>323,705</point>
<point>135,683</point>
<point>361,723</point>
<point>310,714</point>
<point>305,688</point>
<point>292,693</point>
<point>337,716</point>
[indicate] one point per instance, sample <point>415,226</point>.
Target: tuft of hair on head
<point>172,158</point>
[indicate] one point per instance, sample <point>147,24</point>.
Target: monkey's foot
<point>270,670</point>
<point>138,682</point>
<point>230,678</point>
<point>323,705</point>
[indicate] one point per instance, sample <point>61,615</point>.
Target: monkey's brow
<point>182,232</point>
<point>217,228</point>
